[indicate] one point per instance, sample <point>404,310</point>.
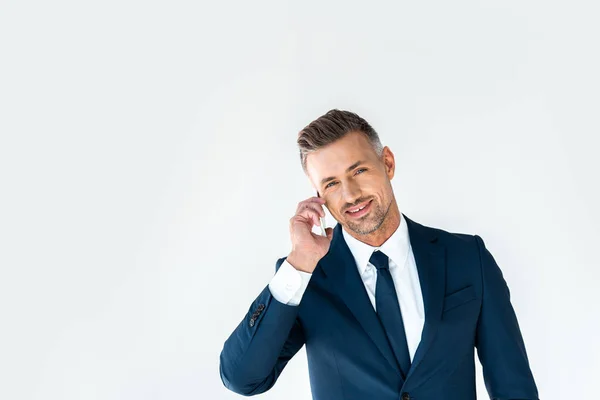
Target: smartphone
<point>323,233</point>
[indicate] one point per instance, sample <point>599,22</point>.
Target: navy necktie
<point>388,310</point>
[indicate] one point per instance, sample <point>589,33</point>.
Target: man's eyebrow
<point>350,168</point>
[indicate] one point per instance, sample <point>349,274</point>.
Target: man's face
<point>346,185</point>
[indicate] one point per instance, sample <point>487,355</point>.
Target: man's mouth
<point>360,210</point>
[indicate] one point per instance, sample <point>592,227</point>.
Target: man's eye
<point>357,171</point>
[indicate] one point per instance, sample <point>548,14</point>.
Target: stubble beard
<point>371,222</point>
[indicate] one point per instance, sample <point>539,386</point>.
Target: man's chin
<point>362,228</point>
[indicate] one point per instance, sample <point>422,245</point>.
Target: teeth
<point>358,209</point>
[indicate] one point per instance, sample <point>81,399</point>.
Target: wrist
<point>301,262</point>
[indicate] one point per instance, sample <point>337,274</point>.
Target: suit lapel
<point>340,268</point>
<point>430,258</point>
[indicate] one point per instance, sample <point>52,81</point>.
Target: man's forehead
<point>336,158</point>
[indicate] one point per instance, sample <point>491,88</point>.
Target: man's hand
<point>307,247</point>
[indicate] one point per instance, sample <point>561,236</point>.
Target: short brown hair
<point>330,127</point>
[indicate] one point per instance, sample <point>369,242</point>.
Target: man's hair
<point>332,126</point>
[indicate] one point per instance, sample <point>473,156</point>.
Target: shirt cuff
<point>289,284</point>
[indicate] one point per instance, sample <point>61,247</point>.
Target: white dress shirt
<point>289,284</point>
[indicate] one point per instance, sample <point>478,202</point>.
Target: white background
<point>149,169</point>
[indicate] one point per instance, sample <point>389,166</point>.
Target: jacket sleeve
<point>500,345</point>
<point>261,345</point>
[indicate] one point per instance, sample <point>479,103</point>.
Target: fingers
<point>310,213</point>
<point>316,203</point>
<point>311,209</point>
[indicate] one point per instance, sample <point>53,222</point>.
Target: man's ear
<point>389,162</point>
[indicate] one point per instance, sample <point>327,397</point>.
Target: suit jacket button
<point>261,307</point>
<point>405,396</point>
<point>251,322</point>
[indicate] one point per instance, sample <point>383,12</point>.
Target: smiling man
<point>388,308</point>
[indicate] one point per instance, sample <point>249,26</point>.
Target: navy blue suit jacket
<point>467,305</point>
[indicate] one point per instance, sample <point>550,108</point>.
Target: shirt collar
<point>396,247</point>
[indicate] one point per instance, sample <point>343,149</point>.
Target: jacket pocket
<point>459,297</point>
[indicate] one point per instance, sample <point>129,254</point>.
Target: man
<point>388,308</point>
